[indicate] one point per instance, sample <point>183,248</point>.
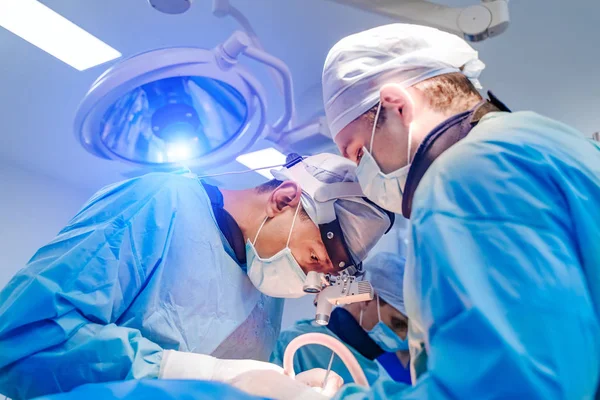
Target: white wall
<point>303,307</point>
<point>33,208</point>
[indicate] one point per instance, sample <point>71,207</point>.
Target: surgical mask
<point>384,336</point>
<point>279,275</point>
<point>385,190</point>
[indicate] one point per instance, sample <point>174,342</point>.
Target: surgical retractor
<point>334,345</point>
<point>335,290</point>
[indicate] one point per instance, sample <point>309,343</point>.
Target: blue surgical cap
<point>385,271</point>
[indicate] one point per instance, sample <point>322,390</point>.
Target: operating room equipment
<point>344,327</point>
<point>198,107</point>
<point>385,272</point>
<point>202,108</point>
<point>181,104</point>
<point>334,345</point>
<point>171,6</point>
<point>330,190</point>
<point>328,370</point>
<point>336,290</point>
<point>475,23</point>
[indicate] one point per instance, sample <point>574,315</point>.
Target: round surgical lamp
<point>167,106</point>
<point>171,6</point>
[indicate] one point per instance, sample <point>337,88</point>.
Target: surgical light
<point>178,151</point>
<point>262,158</point>
<point>53,33</point>
<point>140,107</point>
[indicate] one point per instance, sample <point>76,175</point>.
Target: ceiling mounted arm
<point>475,23</point>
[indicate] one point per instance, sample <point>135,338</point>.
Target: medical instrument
<point>475,23</point>
<point>336,290</point>
<point>331,201</point>
<point>328,370</point>
<point>189,105</point>
<point>334,345</point>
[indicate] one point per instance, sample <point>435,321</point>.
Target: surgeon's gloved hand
<point>314,378</point>
<point>182,365</point>
<point>271,384</point>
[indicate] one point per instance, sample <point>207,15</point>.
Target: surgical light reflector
<point>198,113</point>
<point>262,158</point>
<point>202,99</point>
<point>53,33</point>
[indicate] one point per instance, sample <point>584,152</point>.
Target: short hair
<point>449,92</point>
<point>452,92</point>
<point>269,186</point>
<point>381,301</point>
<point>273,184</point>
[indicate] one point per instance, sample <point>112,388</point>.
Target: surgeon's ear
<point>286,195</point>
<point>397,102</point>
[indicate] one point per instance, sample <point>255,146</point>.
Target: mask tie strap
<point>360,317</point>
<point>378,310</point>
<point>292,228</point>
<point>259,228</point>
<point>409,144</point>
<point>374,126</point>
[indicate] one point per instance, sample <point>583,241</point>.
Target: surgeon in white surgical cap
<point>165,276</point>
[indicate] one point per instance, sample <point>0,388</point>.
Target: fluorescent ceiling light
<point>262,158</point>
<point>53,33</point>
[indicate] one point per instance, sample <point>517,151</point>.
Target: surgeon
<point>374,331</point>
<point>502,282</point>
<point>164,275</point>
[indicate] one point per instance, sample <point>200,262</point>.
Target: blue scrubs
<point>502,281</point>
<point>343,327</point>
<point>392,365</point>
<point>141,268</point>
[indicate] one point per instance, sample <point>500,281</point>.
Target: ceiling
<point>547,61</point>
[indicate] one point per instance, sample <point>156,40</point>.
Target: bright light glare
<point>262,158</point>
<point>53,33</point>
<point>178,152</point>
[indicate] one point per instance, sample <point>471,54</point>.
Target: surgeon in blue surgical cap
<point>502,282</point>
<point>167,276</point>
<point>374,331</point>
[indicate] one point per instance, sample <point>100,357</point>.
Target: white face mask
<point>385,190</point>
<point>279,275</point>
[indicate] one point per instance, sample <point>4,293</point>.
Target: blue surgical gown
<point>502,281</point>
<point>316,356</point>
<point>153,389</point>
<point>141,268</point>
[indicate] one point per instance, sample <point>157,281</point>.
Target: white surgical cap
<point>360,64</point>
<point>362,222</point>
<point>385,271</point>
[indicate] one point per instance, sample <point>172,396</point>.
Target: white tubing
<point>334,345</point>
